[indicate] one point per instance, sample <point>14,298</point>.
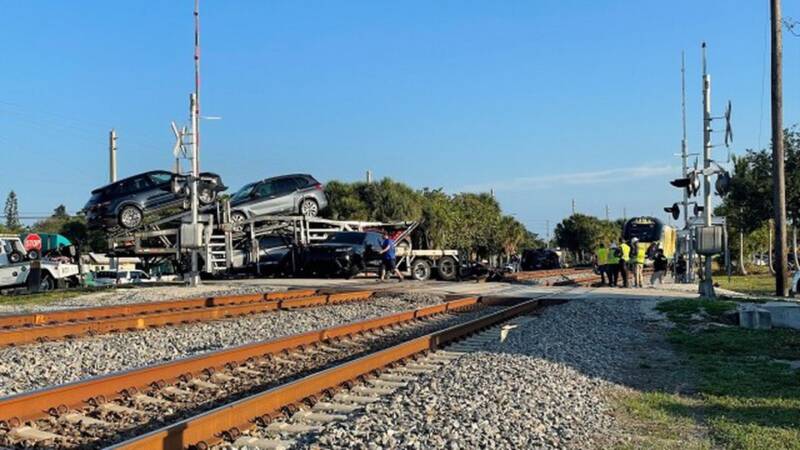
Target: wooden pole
<point>778,171</point>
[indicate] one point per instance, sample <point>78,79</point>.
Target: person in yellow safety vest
<point>601,259</point>
<point>612,264</point>
<point>623,262</point>
<point>640,254</point>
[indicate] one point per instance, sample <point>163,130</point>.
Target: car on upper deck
<point>126,202</point>
<point>286,194</point>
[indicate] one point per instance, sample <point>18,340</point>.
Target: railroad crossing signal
<point>675,210</point>
<point>691,183</point>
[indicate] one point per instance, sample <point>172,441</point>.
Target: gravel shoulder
<point>39,365</point>
<point>551,384</point>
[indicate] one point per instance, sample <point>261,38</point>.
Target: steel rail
<point>19,408</point>
<point>99,312</point>
<point>203,430</point>
<point>223,307</point>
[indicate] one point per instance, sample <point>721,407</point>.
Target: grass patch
<point>685,311</point>
<point>745,399</point>
<point>42,298</point>
<point>753,284</point>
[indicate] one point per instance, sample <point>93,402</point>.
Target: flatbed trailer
<point>226,247</point>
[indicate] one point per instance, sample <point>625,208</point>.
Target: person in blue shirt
<point>389,256</point>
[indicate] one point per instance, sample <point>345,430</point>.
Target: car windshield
<point>346,238</point>
<point>243,192</point>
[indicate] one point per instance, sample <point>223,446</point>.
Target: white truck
<point>15,269</point>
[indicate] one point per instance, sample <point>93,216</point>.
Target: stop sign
<point>33,242</point>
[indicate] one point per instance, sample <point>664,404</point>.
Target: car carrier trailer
<point>226,247</point>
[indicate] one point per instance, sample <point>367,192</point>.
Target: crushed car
<point>346,254</point>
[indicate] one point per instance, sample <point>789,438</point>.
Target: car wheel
<point>448,268</point>
<point>309,207</point>
<point>33,254</point>
<point>206,195</point>
<point>47,283</point>
<point>130,217</point>
<point>421,270</point>
<point>237,220</point>
<point>14,257</point>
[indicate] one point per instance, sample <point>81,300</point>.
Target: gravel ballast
<point>138,294</point>
<point>35,366</point>
<point>546,386</point>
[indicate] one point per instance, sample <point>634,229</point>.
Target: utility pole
<point>573,206</point>
<point>778,171</point>
<point>707,285</point>
<point>194,111</point>
<point>112,156</point>
<point>194,278</point>
<point>196,129</point>
<point>607,216</point>
<point>547,231</point>
<point>685,172</point>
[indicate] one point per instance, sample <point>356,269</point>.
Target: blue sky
<point>543,101</point>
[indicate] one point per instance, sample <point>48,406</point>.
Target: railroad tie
<point>32,434</point>
<point>386,383</point>
<point>246,371</point>
<point>396,377</point>
<point>359,399</point>
<point>373,390</point>
<point>80,419</point>
<point>336,407</point>
<point>200,384</point>
<point>317,417</point>
<point>121,410</point>
<point>220,377</point>
<point>262,444</point>
<point>147,400</point>
<point>293,428</point>
<point>176,391</point>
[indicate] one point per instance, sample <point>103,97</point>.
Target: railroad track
<point>542,274</point>
<point>212,397</point>
<point>47,326</point>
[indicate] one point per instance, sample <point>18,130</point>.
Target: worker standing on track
<point>625,257</point>
<point>601,259</point>
<point>389,254</point>
<point>640,254</point>
<point>612,265</point>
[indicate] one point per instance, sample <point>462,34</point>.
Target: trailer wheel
<point>47,283</point>
<point>448,268</point>
<point>421,270</point>
<point>14,257</point>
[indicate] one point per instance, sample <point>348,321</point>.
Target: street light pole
<point>778,171</point>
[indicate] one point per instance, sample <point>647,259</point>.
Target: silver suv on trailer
<point>287,194</point>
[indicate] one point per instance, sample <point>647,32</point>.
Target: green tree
<point>11,212</point>
<point>581,234</point>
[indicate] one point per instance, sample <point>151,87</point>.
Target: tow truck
<point>15,267</point>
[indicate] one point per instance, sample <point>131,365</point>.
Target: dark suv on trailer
<point>287,194</point>
<point>346,253</point>
<point>126,202</point>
